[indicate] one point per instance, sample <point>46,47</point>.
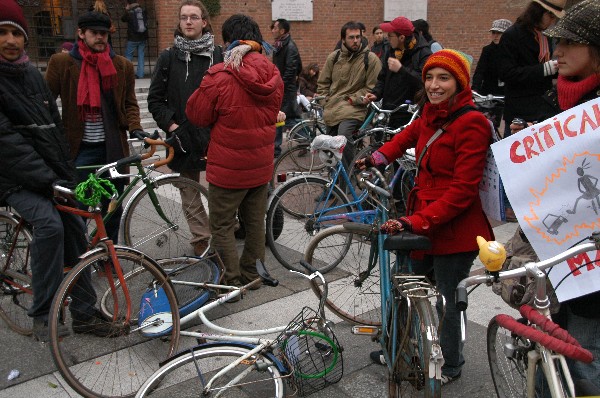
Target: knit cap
<point>581,24</point>
<point>455,62</point>
<point>12,14</point>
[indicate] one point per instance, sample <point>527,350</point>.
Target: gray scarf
<point>204,46</point>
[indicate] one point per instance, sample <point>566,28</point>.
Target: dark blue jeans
<point>95,154</point>
<point>58,240</point>
<point>448,270</point>
<point>289,123</point>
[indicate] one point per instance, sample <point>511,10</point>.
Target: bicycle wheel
<point>507,356</point>
<point>114,366</point>
<point>17,294</point>
<point>302,201</point>
<point>184,202</point>
<point>411,376</point>
<point>185,374</point>
<point>354,292</point>
<point>306,131</point>
<point>294,161</point>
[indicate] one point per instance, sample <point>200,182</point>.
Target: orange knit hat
<point>455,62</point>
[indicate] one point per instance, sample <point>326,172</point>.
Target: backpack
<point>365,60</point>
<point>138,20</point>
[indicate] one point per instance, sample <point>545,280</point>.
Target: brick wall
<point>458,24</point>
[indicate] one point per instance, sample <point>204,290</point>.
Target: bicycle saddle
<point>405,241</point>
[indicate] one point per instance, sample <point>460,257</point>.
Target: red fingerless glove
<point>391,227</point>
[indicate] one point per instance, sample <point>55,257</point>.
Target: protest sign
<point>550,172</point>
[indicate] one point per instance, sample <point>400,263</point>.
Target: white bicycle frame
<point>549,359</point>
<point>226,334</point>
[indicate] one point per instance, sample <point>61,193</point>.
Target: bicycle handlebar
<point>530,269</point>
<point>490,99</point>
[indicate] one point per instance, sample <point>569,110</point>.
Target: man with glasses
<point>179,71</point>
<point>349,74</point>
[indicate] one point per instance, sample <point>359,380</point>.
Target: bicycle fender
<point>137,193</point>
<point>284,185</point>
<point>269,355</point>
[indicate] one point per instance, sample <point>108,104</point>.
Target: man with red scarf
<point>34,155</point>
<point>97,90</point>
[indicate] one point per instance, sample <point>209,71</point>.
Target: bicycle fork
<point>549,367</point>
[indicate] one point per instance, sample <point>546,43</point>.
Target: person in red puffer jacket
<point>240,98</point>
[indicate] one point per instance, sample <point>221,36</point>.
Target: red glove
<point>391,227</point>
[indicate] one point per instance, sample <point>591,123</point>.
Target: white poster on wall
<point>411,9</point>
<point>292,10</point>
<point>551,174</point>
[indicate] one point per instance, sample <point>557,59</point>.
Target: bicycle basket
<point>313,356</point>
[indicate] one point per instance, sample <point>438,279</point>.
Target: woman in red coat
<point>445,204</point>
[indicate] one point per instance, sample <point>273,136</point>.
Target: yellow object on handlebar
<point>492,254</point>
<point>280,124</point>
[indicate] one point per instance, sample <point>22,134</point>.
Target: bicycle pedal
<point>366,330</point>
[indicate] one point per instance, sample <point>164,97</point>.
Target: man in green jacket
<point>349,74</point>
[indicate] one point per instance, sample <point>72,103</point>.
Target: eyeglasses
<point>193,18</point>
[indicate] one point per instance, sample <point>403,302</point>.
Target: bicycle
<point>491,106</point>
<point>296,160</point>
<point>386,300</point>
<point>153,220</point>
<point>523,352</point>
<point>305,353</point>
<point>156,218</point>
<point>115,282</point>
<point>311,202</point>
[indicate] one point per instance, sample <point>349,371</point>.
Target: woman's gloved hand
<point>391,227</point>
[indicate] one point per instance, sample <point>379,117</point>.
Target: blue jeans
<point>448,270</point>
<point>58,240</point>
<point>95,154</point>
<point>140,46</point>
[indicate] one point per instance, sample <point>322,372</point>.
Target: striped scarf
<point>542,40</point>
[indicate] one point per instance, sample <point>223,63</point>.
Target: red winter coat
<point>241,106</point>
<point>445,204</point>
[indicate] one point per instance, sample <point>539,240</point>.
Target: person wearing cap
<point>97,90</point>
<point>526,64</point>
<point>400,76</point>
<point>486,79</point>
<point>66,47</point>
<point>348,75</point>
<point>578,56</point>
<point>445,203</point>
<point>34,155</point>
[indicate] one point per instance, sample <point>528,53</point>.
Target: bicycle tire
<point>509,373</point>
<point>294,161</point>
<point>346,251</point>
<point>306,131</point>
<point>299,199</point>
<point>145,230</point>
<point>16,297</point>
<point>179,375</point>
<point>410,375</point>
<point>113,366</point>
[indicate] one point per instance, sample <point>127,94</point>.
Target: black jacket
<point>522,73</point>
<point>173,82</point>
<point>33,148</point>
<point>486,79</point>
<point>130,18</point>
<point>398,87</point>
<point>287,59</point>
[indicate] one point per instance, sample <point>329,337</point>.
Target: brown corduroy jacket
<point>62,77</point>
